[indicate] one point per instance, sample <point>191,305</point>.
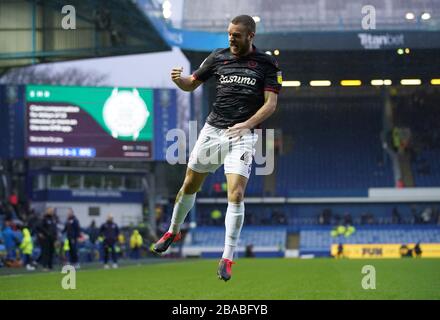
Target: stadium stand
<point>304,15</point>
<point>254,187</point>
<point>266,241</point>
<point>329,214</point>
<point>261,236</point>
<point>336,150</point>
<point>317,240</point>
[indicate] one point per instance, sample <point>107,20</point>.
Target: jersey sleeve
<point>206,69</point>
<point>273,78</point>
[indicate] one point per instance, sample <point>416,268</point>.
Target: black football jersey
<point>240,84</point>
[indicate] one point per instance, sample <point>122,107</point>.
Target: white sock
<point>183,205</point>
<point>233,223</point>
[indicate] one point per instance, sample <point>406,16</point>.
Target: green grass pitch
<point>252,279</point>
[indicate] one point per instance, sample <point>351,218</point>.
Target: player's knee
<point>189,187</point>
<point>192,182</point>
<point>236,196</point>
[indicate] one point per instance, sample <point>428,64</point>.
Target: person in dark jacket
<point>417,250</point>
<point>109,231</point>
<point>93,232</point>
<point>72,230</point>
<point>47,235</point>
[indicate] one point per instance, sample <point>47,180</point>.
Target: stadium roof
<point>313,15</point>
<point>307,25</point>
<point>32,30</point>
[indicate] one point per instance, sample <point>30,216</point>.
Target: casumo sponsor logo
<point>369,41</point>
<point>237,79</point>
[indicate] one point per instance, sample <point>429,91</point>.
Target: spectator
<point>396,138</point>
<point>426,215</point>
<point>371,219</point>
<point>27,247</point>
<point>415,215</point>
<point>405,251</point>
<point>250,219</point>
<point>93,232</point>
<point>435,214</point>
<point>13,200</point>
<point>278,218</point>
<point>283,219</point>
<point>395,216</point>
<point>110,232</point>
<point>121,245</point>
<point>348,219</point>
<point>321,219</point>
<point>216,215</point>
<point>32,221</point>
<point>337,219</point>
<point>340,251</point>
<point>10,213</point>
<point>10,239</point>
<point>367,218</point>
<point>72,231</point>
<point>327,216</point>
<point>136,242</point>
<point>417,250</point>
<point>249,253</point>
<point>349,230</point>
<point>2,209</point>
<point>64,251</point>
<point>47,235</point>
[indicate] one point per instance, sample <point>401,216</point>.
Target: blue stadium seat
<point>257,236</point>
<point>337,148</point>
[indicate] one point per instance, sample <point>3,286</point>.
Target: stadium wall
<point>368,251</point>
<point>124,214</point>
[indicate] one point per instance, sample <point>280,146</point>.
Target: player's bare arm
<point>262,114</point>
<point>188,83</point>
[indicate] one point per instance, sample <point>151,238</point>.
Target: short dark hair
<point>245,20</point>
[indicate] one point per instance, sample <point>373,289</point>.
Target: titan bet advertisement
<point>89,122</point>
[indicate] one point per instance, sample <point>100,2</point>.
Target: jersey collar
<point>254,50</point>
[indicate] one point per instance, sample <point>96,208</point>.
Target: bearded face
<point>240,39</point>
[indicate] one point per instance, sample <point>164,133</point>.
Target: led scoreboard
<point>94,122</point>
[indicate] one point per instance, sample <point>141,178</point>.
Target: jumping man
<point>247,86</point>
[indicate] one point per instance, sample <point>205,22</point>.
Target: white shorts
<point>213,148</point>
